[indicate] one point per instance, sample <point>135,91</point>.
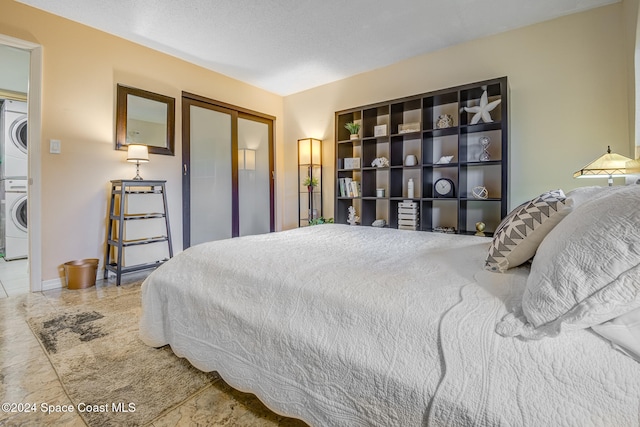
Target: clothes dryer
<point>16,234</point>
<point>14,139</point>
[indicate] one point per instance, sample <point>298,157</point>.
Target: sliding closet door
<point>254,175</point>
<point>208,175</point>
<point>227,185</point>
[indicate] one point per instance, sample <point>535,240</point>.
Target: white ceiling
<point>287,46</point>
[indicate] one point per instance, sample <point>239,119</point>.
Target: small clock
<point>444,187</point>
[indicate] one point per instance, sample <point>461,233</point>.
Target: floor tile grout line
<point>182,402</point>
<point>14,267</point>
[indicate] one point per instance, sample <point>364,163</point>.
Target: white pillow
<point>623,332</point>
<point>587,269</point>
<point>517,237</point>
<point>584,194</point>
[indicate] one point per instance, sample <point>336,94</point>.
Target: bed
<point>358,326</point>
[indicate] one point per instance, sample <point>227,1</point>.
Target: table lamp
<point>607,165</point>
<point>137,153</point>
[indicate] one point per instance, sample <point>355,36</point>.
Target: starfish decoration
<point>482,111</point>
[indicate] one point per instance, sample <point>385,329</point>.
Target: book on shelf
<point>354,189</point>
<point>344,183</point>
<point>349,188</point>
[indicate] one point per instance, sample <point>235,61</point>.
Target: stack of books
<point>408,215</point>
<point>349,187</point>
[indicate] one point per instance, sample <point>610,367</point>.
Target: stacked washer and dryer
<point>13,178</point>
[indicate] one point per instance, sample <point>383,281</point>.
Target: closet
<point>228,171</point>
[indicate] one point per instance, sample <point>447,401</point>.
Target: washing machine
<point>13,119</point>
<point>16,243</point>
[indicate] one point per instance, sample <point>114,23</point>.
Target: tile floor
<point>14,277</point>
<point>26,374</point>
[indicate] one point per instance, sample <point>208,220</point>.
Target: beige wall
<point>568,99</point>
<point>81,67</point>
<point>630,13</point>
<point>568,81</point>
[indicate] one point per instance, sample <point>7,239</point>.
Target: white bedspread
<point>575,379</point>
<point>333,324</point>
<point>358,326</point>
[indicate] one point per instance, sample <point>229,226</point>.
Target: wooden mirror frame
<point>121,119</point>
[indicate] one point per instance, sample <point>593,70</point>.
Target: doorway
<point>22,225</point>
<point>228,165</point>
<point>14,84</point>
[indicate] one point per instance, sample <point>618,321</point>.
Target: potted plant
<point>310,183</point>
<point>353,129</point>
<point>321,220</point>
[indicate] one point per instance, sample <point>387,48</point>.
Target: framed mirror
<point>145,118</point>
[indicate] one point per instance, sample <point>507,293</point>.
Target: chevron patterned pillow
<point>521,232</point>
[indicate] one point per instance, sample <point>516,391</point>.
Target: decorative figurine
<point>380,162</point>
<point>444,160</point>
<point>411,160</point>
<point>485,141</point>
<point>480,226</point>
<point>352,219</point>
<point>480,192</point>
<point>444,121</point>
<point>447,230</point>
<point>379,223</point>
<point>482,111</point>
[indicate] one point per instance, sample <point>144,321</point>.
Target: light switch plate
<point>54,146</point>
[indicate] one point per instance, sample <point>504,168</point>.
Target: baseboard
<point>48,285</point>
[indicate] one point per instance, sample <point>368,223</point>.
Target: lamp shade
<point>633,167</point>
<point>605,166</point>
<point>137,153</point>
<point>309,151</point>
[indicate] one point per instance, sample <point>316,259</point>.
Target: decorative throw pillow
<point>587,270</point>
<point>520,233</point>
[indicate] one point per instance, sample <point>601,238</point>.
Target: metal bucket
<point>81,273</point>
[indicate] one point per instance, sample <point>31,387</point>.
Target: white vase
<point>354,136</point>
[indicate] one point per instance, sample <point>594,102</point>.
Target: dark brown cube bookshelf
<point>411,125</point>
